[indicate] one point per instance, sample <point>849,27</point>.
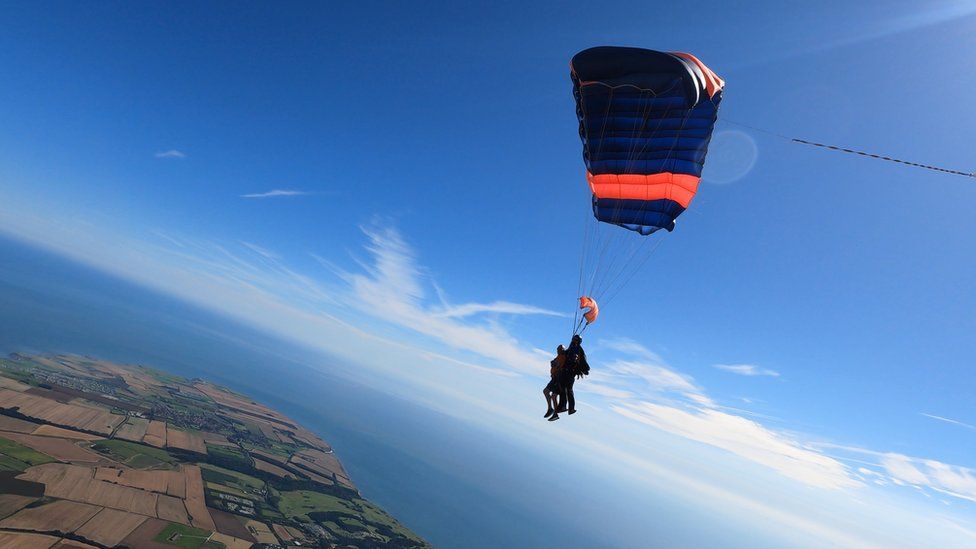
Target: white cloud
<point>392,289</point>
<point>498,307</point>
<point>948,420</point>
<point>172,153</point>
<point>747,370</point>
<point>948,479</point>
<point>747,439</point>
<point>277,192</point>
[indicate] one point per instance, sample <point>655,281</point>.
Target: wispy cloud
<point>172,153</point>
<point>497,307</point>
<point>277,192</point>
<point>394,288</point>
<point>630,347</point>
<point>919,473</point>
<point>747,439</point>
<point>680,406</point>
<point>747,370</point>
<point>948,420</point>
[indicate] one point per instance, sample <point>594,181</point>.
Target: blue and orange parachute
<point>645,119</point>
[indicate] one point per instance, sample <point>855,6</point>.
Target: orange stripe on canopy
<point>634,186</point>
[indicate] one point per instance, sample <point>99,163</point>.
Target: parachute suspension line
<point>855,151</point>
<point>603,132</point>
<point>633,253</point>
<point>646,109</point>
<point>621,238</point>
<point>584,252</point>
<point>633,272</point>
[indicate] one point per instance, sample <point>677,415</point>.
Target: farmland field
<point>137,456</point>
<point>17,457</point>
<point>187,537</point>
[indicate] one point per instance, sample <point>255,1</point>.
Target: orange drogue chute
<point>593,310</point>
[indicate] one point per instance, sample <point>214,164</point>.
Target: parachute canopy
<point>645,118</point>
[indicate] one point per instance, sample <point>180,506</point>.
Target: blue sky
<point>434,204</point>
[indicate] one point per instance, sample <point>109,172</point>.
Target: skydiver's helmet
<point>560,350</point>
<point>577,339</point>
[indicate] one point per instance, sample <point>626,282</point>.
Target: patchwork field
<point>58,448</point>
<point>155,434</point>
<point>10,504</point>
<point>58,516</point>
<point>119,455</point>
<point>78,484</point>
<point>86,418</point>
<point>133,430</point>
<point>110,526</point>
<point>21,540</point>
<point>137,456</point>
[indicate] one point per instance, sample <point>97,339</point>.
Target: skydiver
<point>575,367</point>
<point>554,387</point>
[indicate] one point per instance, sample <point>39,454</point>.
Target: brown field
<point>283,436</point>
<point>261,465</point>
<point>52,431</point>
<point>78,484</point>
<point>308,437</point>
<point>232,525</point>
<point>133,429</point>
<point>15,425</point>
<point>323,464</point>
<point>59,516</point>
<point>184,440</point>
<point>142,537</point>
<point>57,448</point>
<point>260,531</point>
<point>163,482</point>
<point>231,542</point>
<point>287,533</point>
<point>270,458</point>
<point>171,509</point>
<point>110,527</point>
<point>215,438</point>
<point>13,385</point>
<point>10,504</point>
<point>196,503</point>
<point>156,434</point>
<point>89,418</point>
<point>11,540</point>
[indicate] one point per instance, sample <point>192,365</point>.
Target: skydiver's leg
<point>561,407</point>
<point>550,401</point>
<point>571,398</point>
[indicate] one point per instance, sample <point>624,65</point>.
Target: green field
<point>137,456</point>
<point>229,456</point>
<point>227,477</point>
<point>299,503</point>
<point>17,457</point>
<point>186,536</point>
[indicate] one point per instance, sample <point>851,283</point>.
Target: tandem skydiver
<point>554,387</point>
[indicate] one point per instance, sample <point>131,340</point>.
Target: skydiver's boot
<point>549,412</point>
<point>554,417</point>
<point>573,411</point>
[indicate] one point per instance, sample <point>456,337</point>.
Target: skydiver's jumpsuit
<point>575,363</point>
